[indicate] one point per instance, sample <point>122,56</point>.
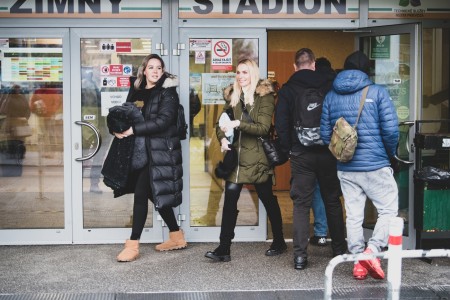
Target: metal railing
<point>394,255</point>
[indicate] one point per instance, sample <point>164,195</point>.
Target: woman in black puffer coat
<point>154,92</point>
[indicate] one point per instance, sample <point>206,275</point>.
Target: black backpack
<point>181,123</point>
<point>308,111</point>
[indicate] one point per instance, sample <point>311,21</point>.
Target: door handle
<point>409,123</point>
<point>406,162</point>
<point>97,135</point>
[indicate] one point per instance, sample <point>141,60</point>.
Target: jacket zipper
<point>239,152</point>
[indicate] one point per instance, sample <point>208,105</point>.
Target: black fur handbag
<point>229,163</point>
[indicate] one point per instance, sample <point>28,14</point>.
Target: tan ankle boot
<point>176,241</point>
<point>130,252</point>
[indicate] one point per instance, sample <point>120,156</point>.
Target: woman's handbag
<point>271,144</point>
<point>226,167</point>
<point>272,148</point>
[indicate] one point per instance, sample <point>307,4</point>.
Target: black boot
<point>273,212</point>
<point>221,253</point>
<point>277,248</point>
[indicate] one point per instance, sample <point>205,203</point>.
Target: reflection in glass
<point>390,57</point>
<point>31,134</point>
<point>436,74</point>
<point>104,83</point>
<point>207,82</point>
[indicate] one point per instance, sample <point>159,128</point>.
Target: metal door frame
<point>415,91</point>
<point>99,235</point>
<point>54,235</point>
<point>204,234</point>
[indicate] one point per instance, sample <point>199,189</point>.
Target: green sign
<point>380,47</point>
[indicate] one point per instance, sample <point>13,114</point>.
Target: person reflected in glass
<point>195,106</point>
<point>256,97</point>
<point>14,129</point>
<point>47,104</point>
<point>160,180</point>
<point>91,105</point>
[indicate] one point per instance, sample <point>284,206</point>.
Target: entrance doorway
<point>400,79</point>
<point>281,49</point>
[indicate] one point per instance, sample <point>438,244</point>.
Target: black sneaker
<point>318,240</point>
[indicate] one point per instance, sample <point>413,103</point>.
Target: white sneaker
<point>318,240</point>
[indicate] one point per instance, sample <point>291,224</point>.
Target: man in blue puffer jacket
<point>368,174</point>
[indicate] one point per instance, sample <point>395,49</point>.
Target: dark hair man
<point>311,162</point>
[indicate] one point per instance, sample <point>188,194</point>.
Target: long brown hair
<point>140,73</point>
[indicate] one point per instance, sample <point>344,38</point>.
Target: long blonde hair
<point>254,78</point>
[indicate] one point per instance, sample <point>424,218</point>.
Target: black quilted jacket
<point>161,141</point>
<point>125,155</point>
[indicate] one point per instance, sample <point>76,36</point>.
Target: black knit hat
<point>357,61</point>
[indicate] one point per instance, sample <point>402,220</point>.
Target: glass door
<point>34,168</point>
<point>103,60</point>
<point>393,52</point>
<point>207,65</point>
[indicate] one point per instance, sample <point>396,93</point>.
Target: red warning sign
<point>115,69</point>
<point>123,46</point>
<point>123,81</point>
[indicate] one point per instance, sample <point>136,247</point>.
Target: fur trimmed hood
<point>263,88</point>
<point>170,81</point>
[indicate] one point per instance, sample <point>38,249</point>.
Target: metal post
<point>394,256</point>
<point>383,255</point>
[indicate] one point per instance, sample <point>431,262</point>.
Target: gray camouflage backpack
<point>308,110</point>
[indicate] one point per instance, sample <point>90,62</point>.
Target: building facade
<point>70,61</point>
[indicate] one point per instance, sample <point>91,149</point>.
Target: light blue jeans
<point>380,187</point>
<point>320,217</point>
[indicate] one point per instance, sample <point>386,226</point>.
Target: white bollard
<point>394,278</point>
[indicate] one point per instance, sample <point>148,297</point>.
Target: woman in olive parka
<point>257,96</point>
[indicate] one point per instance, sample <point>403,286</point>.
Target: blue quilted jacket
<point>377,127</point>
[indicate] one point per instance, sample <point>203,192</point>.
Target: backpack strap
<point>361,104</point>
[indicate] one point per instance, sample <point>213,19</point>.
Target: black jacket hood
<point>357,61</point>
<point>308,79</point>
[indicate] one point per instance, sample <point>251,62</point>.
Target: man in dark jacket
<point>368,174</point>
<point>308,163</point>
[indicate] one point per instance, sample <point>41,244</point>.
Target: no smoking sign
<point>222,48</point>
<point>222,55</point>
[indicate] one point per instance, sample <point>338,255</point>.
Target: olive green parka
<point>253,166</point>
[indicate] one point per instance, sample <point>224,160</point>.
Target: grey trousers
<point>380,187</point>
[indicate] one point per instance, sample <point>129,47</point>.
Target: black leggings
<point>269,200</point>
<point>142,193</point>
